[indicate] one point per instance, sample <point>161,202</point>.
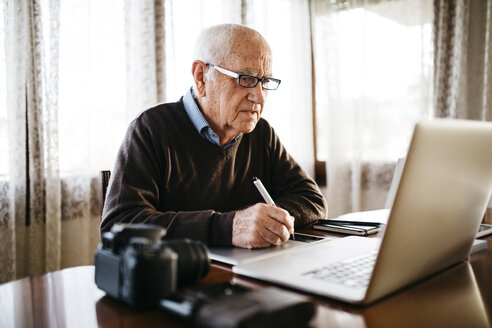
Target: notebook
<point>443,192</point>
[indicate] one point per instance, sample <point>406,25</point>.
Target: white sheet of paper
<point>379,216</point>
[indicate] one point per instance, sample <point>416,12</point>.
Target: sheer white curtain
<point>73,74</point>
<point>463,59</point>
<point>111,68</point>
<point>30,197</point>
<point>373,63</point>
<point>286,26</point>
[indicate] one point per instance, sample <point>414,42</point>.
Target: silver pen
<point>266,196</point>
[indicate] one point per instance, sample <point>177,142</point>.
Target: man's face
<point>234,109</point>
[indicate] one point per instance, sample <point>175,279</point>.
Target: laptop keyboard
<point>353,272</point>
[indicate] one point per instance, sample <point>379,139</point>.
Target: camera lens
<point>193,260</point>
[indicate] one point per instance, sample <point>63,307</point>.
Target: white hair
<point>215,43</point>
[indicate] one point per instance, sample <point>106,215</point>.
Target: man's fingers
<point>281,216</point>
<point>276,229</point>
<point>270,237</point>
<point>261,225</point>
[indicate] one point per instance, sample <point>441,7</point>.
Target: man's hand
<point>261,225</point>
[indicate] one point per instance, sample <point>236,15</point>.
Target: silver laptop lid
<point>443,193</point>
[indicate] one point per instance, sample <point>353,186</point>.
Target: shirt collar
<point>194,112</point>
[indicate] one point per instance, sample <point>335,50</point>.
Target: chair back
<point>105,175</point>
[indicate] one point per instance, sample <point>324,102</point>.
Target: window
<point>373,69</point>
<point>93,115</point>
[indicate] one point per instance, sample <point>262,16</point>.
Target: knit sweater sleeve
<point>292,188</point>
<point>133,193</point>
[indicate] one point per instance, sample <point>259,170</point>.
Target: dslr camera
<point>133,264</point>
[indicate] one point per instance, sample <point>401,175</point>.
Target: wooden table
<point>458,297</point>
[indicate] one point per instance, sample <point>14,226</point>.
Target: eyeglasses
<point>250,81</point>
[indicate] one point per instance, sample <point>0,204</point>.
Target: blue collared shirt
<point>200,122</point>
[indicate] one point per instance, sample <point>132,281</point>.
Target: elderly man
<point>189,166</point>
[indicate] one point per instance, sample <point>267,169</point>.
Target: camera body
<point>133,264</point>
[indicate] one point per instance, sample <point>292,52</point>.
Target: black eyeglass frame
<point>264,80</point>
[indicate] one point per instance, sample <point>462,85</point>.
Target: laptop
<point>440,201</point>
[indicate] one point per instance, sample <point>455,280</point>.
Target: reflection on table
<point>459,297</point>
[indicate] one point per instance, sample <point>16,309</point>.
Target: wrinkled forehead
<point>250,55</point>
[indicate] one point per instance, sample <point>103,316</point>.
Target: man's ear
<point>198,69</point>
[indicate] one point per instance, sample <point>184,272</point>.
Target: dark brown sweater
<point>167,174</point>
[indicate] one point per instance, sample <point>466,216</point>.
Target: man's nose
<point>257,94</point>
